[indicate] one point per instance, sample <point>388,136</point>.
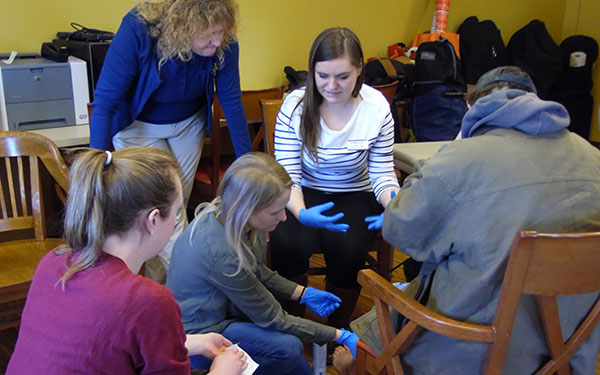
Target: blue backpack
<point>438,107</point>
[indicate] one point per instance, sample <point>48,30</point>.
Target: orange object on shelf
<point>442,7</point>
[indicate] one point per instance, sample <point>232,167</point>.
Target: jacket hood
<point>515,109</point>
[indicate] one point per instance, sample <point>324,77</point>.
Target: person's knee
<point>290,348</point>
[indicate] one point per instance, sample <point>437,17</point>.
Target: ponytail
<point>108,193</point>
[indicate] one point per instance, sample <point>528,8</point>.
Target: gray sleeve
<point>277,284</point>
<point>252,297</point>
<point>418,219</point>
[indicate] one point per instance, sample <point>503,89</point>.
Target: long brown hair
<point>330,44</point>
<point>107,194</point>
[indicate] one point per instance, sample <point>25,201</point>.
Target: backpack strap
<point>389,67</point>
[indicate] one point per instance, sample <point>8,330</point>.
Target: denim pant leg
<point>276,352</point>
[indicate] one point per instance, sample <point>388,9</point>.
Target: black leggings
<point>292,243</point>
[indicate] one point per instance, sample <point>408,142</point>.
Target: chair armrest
<point>419,314</point>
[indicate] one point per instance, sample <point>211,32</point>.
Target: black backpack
<point>383,71</point>
<point>576,79</point>
<point>296,78</point>
<point>436,64</point>
<point>438,107</point>
<point>481,48</point>
<point>533,49</point>
<point>573,86</point>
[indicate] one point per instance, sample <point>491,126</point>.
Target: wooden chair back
<point>388,90</point>
<point>21,200</point>
<point>269,109</point>
<point>22,215</point>
<point>544,265</point>
<point>212,172</point>
<point>251,100</point>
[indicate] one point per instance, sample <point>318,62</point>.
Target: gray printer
<point>37,93</point>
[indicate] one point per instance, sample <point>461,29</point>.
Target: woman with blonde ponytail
<point>218,277</point>
<point>88,310</point>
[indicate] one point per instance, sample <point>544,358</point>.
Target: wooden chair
<point>269,109</point>
<point>251,100</point>
<point>388,90</point>
<point>382,263</point>
<point>211,170</point>
<point>544,265</point>
<point>23,216</point>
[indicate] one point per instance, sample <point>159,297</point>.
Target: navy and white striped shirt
<point>357,158</point>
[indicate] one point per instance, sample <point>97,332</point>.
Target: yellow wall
<point>25,24</point>
<point>275,33</point>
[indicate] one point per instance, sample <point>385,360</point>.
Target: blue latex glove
<point>313,217</point>
<point>320,302</point>
<point>376,222</point>
<point>349,339</point>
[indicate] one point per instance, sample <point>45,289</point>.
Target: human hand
<point>349,339</point>
<point>208,345</point>
<point>231,362</point>
<point>314,218</point>
<point>376,222</point>
<point>320,302</point>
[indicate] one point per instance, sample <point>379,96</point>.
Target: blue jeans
<point>276,352</point>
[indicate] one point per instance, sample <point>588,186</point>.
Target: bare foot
<point>343,361</point>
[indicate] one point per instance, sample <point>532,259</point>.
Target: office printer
<point>37,93</point>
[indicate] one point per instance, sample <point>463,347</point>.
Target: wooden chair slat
<point>3,193</point>
<point>37,201</point>
<point>11,188</point>
<point>552,329</point>
<point>23,197</point>
<point>580,335</point>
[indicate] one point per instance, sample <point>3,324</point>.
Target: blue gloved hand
<point>320,302</point>
<point>376,222</point>
<point>349,339</point>
<point>313,217</point>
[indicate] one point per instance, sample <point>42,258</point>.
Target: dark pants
<point>292,243</point>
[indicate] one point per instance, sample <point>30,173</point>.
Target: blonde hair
<point>252,183</point>
<point>107,194</point>
<point>175,23</point>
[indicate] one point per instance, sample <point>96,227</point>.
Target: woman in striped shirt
<point>335,139</point>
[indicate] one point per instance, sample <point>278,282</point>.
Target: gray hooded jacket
<point>459,213</point>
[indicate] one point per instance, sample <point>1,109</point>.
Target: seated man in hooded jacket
<point>517,167</point>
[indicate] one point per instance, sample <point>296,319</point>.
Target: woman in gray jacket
<point>219,279</point>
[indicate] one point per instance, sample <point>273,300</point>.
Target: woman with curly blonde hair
<point>157,85</point>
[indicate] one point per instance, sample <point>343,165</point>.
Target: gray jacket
<point>459,214</point>
<point>210,300</point>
